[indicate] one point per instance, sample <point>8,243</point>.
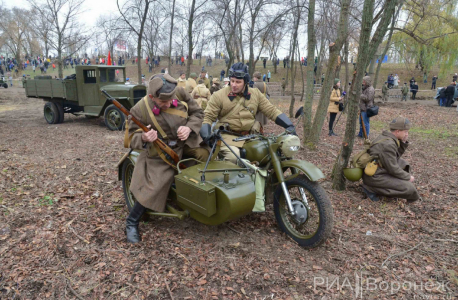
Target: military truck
<point>79,94</point>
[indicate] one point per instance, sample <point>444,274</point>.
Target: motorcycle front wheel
<point>311,204</point>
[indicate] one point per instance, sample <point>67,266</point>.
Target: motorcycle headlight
<point>290,144</point>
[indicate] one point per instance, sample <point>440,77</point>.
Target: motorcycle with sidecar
<point>218,191</point>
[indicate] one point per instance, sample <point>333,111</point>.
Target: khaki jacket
<point>190,85</point>
<point>334,101</point>
<point>152,177</point>
<point>206,82</point>
<point>220,106</point>
<point>262,87</point>
<point>181,82</point>
<point>201,94</point>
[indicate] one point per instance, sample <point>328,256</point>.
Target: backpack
<point>361,159</point>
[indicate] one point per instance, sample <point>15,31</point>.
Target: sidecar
<point>227,193</point>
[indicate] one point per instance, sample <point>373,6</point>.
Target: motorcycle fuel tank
<point>222,197</point>
<point>257,150</point>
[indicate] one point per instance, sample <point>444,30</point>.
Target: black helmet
<point>240,71</point>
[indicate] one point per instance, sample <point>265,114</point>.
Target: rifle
<point>162,146</point>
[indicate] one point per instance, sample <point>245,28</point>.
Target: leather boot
<point>132,223</point>
<point>331,133</point>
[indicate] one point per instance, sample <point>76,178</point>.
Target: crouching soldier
<point>392,177</point>
<point>177,123</point>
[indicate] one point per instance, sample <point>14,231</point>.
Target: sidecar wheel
<point>319,221</point>
<point>127,171</point>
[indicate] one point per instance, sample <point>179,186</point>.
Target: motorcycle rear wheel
<point>320,217</point>
<point>127,171</point>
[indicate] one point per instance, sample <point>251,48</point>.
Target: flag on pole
<point>109,59</point>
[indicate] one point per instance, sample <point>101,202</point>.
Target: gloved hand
<point>205,133</point>
<point>283,121</point>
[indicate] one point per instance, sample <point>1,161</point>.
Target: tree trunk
<point>371,71</point>
<point>311,43</point>
<point>139,44</point>
<point>293,52</point>
<point>190,47</point>
<point>326,89</point>
<point>345,88</point>
<point>365,50</point>
<point>393,22</point>
<point>170,38</point>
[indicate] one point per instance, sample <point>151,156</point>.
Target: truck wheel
<point>114,118</point>
<point>5,85</point>
<point>127,171</point>
<point>60,108</point>
<point>51,113</point>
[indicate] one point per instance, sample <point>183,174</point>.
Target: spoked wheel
<point>313,221</point>
<point>127,171</point>
<point>114,118</point>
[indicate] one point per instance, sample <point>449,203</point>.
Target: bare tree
<point>65,32</point>
<point>171,33</point>
<point>134,14</point>
<point>14,26</point>
<point>108,25</point>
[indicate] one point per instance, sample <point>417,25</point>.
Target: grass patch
<point>451,151</point>
<point>47,200</point>
<point>377,125</point>
<point>434,133</point>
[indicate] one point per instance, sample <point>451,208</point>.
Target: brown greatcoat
<point>152,177</point>
<point>262,87</point>
<point>334,101</point>
<point>220,105</point>
<point>392,178</point>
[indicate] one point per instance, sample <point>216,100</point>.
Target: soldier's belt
<point>170,143</point>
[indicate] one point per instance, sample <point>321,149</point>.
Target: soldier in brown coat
<point>216,85</point>
<point>205,79</point>
<point>236,106</point>
<point>177,123</point>
<point>392,178</point>
<point>262,87</point>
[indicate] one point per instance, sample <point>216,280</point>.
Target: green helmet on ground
<point>353,174</point>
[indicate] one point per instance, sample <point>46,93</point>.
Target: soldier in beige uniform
<point>182,80</point>
<point>201,94</point>
<point>191,83</point>
<point>216,86</point>
<point>205,79</point>
<point>262,87</point>
<point>177,123</point>
<point>235,106</point>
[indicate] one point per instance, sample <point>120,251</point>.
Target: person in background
<point>333,108</point>
<point>450,93</point>
<point>268,75</point>
<point>366,101</point>
<point>396,81</point>
<point>405,92</point>
<point>182,80</point>
<point>455,77</point>
<point>433,82</point>
<point>384,91</point>
<point>191,83</point>
<point>222,75</point>
<point>414,90</point>
<point>226,82</point>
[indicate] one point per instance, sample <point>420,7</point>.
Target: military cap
<point>226,79</point>
<point>400,123</point>
<point>162,86</point>
<point>257,75</point>
<point>193,75</point>
<point>203,71</point>
<point>336,80</point>
<point>216,80</point>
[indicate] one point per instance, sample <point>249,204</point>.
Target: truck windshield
<point>116,75</point>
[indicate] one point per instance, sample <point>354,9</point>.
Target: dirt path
<point>62,218</point>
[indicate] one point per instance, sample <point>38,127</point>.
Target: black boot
<point>132,223</point>
<point>331,133</point>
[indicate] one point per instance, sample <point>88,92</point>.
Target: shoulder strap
<point>177,112</point>
<point>153,118</point>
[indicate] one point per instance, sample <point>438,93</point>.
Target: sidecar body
<point>227,193</point>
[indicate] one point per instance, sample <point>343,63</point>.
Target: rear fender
<point>132,155</point>
<point>312,172</point>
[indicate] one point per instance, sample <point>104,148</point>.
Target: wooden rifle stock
<point>163,146</point>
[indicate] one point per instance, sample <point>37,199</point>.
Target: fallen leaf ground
<point>62,218</point>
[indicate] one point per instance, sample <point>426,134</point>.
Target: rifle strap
<point>153,118</point>
<point>177,112</point>
<point>265,89</point>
